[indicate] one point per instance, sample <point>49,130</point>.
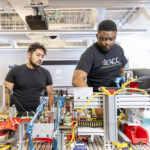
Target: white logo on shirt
<point>112,61</point>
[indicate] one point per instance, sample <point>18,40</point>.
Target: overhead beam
<point>127,16</point>
<point>19,6</point>
<point>97,3</point>
<point>72,32</point>
<point>49,49</point>
<point>141,11</point>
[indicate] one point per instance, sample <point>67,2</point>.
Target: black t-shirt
<point>28,84</point>
<point>102,67</point>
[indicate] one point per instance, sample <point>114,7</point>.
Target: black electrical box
<point>145,83</point>
<point>37,22</point>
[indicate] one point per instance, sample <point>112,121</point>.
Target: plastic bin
<point>136,134</point>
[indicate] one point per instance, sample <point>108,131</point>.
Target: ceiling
<point>70,23</point>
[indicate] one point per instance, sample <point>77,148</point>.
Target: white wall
<point>9,58</point>
<point>137,48</point>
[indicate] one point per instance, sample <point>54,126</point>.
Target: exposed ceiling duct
<point>67,20</point>
<point>11,21</point>
<point>53,43</point>
<point>98,3</point>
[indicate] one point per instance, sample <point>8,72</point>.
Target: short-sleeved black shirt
<point>28,84</point>
<point>102,67</point>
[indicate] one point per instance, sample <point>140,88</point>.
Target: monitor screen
<point>61,71</point>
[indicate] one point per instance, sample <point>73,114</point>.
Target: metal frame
<point>20,135</point>
<point>110,121</point>
<point>83,94</point>
<point>110,105</point>
<point>2,96</point>
<point>133,101</point>
<point>61,140</point>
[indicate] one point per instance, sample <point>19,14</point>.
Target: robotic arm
<point>30,125</point>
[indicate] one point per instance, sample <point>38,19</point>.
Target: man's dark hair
<point>107,25</point>
<point>33,47</point>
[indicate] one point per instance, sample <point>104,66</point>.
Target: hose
<point>120,145</point>
<point>5,147</point>
<point>73,135</point>
<point>135,89</point>
<point>106,91</point>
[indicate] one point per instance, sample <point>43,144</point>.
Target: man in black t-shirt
<point>103,61</point>
<point>28,80</point>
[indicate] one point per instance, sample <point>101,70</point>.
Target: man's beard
<point>33,64</point>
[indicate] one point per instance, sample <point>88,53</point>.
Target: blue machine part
<point>118,80</point>
<point>55,100</point>
<point>31,123</point>
<point>54,146</point>
<point>61,101</point>
<point>80,146</point>
<point>59,104</point>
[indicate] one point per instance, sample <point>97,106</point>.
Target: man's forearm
<point>122,71</point>
<point>7,96</point>
<point>79,78</point>
<point>79,83</point>
<point>51,101</point>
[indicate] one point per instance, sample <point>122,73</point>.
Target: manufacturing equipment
<point>74,124</point>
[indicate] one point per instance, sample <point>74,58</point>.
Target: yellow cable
<point>106,91</point>
<point>120,145</point>
<point>74,131</point>
<point>79,110</point>
<point>6,147</point>
<point>91,119</point>
<point>74,121</point>
<point>126,83</point>
<point>135,89</point>
<point>2,145</point>
<point>93,111</point>
<point>4,117</point>
<point>16,114</point>
<point>120,117</point>
<point>73,135</point>
<point>72,139</point>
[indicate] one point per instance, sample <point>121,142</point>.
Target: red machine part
<point>136,134</point>
<point>47,140</point>
<point>10,125</point>
<point>112,91</point>
<point>69,137</point>
<point>84,139</point>
<point>133,84</point>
